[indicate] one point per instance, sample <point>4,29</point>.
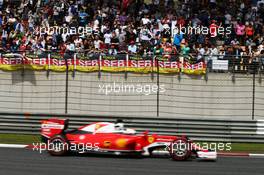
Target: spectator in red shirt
<point>181,22</point>
<point>249,31</point>
<point>213,29</point>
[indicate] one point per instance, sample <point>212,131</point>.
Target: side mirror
<point>146,133</point>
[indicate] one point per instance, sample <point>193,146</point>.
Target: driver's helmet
<point>119,126</point>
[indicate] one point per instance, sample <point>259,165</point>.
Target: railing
<point>196,129</point>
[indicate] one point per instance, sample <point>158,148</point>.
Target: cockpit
<point>107,127</point>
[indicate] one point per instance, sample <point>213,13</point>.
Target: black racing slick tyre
<point>58,146</point>
<point>180,150</point>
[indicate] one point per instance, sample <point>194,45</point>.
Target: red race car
<point>106,137</point>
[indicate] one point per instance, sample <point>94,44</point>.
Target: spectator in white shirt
<point>132,48</point>
<point>145,20</point>
<point>70,47</point>
<point>112,50</point>
<point>201,52</point>
<point>97,42</point>
<point>145,34</point>
<point>19,27</point>
<point>213,53</point>
<point>107,38</point>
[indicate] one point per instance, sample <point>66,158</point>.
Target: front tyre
<point>58,146</point>
<point>180,150</point>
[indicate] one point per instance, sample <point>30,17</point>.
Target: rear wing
<point>51,127</point>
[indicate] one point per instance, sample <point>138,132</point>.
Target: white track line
<point>12,146</point>
<point>257,155</point>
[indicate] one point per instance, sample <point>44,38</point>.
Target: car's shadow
<point>109,155</point>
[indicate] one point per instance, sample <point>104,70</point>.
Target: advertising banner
<point>97,62</point>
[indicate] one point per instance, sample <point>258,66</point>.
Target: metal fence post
<point>158,84</point>
<point>206,72</point>
<point>254,88</point>
<point>66,85</point>
<point>127,60</point>
<point>23,64</point>
<point>74,64</point>
<point>48,71</point>
<point>99,65</point>
<point>152,67</point>
<point>253,95</point>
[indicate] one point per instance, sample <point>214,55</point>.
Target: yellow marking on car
<point>121,143</point>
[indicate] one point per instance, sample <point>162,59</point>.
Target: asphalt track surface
<point>28,162</point>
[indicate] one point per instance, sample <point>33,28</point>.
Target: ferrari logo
<point>150,139</point>
<point>97,126</point>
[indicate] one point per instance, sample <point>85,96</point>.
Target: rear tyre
<point>180,150</point>
<point>58,146</point>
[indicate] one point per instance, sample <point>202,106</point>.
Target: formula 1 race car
<point>106,137</point>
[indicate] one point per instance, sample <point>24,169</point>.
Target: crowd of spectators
<point>135,26</point>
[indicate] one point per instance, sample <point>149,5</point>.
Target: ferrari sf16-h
<point>106,137</point>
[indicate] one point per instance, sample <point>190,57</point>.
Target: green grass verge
<point>233,147</point>
<point>29,139</point>
<point>19,139</point>
<point>248,147</point>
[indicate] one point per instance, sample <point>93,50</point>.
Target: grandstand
<point>115,26</point>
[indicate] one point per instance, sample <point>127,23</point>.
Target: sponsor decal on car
<point>107,143</point>
<point>52,126</point>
